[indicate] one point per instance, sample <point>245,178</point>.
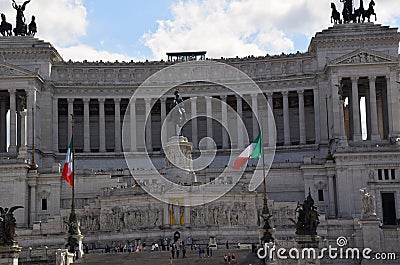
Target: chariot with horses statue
<point>352,15</point>
<point>21,28</point>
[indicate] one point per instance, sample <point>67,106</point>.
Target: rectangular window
<point>386,174</point>
<point>44,204</point>
<point>393,173</point>
<point>321,195</point>
<point>380,174</point>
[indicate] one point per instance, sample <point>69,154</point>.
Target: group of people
<point>230,258</point>
<point>177,248</point>
<point>122,247</point>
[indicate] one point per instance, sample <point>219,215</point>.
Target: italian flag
<point>68,172</point>
<point>252,151</point>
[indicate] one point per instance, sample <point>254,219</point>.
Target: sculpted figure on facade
<point>7,224</point>
<point>368,204</point>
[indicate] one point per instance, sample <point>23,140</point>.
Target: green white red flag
<point>68,172</point>
<point>252,151</point>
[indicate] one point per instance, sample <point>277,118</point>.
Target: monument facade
<point>337,119</point>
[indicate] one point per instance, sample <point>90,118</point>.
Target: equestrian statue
<point>351,14</point>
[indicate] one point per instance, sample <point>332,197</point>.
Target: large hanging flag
<point>252,151</point>
<point>68,172</point>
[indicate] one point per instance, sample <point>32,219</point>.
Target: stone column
<point>331,190</point>
<point>32,212</point>
<point>117,130</point>
<point>3,125</point>
<point>70,112</point>
<point>239,122</point>
<point>55,125</point>
<point>209,120</point>
<point>149,142</point>
<point>286,119</point>
<point>86,125</point>
<point>224,118</point>
<point>373,110</point>
<point>13,129</point>
<point>270,120</point>
<point>195,136</point>
<point>317,116</point>
<point>393,104</point>
<point>23,150</point>
<point>23,128</point>
<point>30,104</point>
<point>356,110</point>
<point>163,116</point>
<point>102,125</point>
<point>337,113</point>
<point>254,106</point>
<point>302,119</point>
<point>132,109</point>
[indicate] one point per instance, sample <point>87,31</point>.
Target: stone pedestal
<point>178,160</point>
<point>79,251</point>
<point>9,254</point>
<point>371,233</point>
<point>308,241</point>
<point>63,257</point>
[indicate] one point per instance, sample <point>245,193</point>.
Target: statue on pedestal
<point>179,113</point>
<point>7,225</point>
<point>368,204</point>
<point>308,218</point>
<point>21,27</point>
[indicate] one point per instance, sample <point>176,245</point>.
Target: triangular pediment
<point>9,70</point>
<point>363,56</point>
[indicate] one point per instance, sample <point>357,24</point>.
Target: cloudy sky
<point>140,30</point>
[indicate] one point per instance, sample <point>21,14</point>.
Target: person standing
<point>227,244</point>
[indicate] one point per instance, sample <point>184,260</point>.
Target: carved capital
<point>86,100</point>
<point>101,100</point>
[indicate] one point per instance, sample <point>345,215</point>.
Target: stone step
<point>243,257</point>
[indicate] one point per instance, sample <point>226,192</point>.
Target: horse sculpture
<point>32,27</point>
<point>5,27</point>
<point>335,17</point>
<point>359,13</point>
<point>370,11</point>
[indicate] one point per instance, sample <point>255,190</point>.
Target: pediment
<point>9,70</point>
<point>363,56</point>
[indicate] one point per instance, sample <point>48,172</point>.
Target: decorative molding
<point>363,56</point>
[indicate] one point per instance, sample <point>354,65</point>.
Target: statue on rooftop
<point>7,225</point>
<point>5,27</point>
<point>21,27</point>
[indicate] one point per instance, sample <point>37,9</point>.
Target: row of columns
<point>18,118</point>
<point>194,122</point>
<point>355,111</point>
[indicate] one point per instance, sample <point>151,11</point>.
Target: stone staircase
<point>243,257</point>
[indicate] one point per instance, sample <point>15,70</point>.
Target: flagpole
<point>73,165</point>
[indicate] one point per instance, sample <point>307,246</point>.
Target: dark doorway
<point>389,209</point>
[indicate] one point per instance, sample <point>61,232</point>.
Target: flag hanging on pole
<point>67,172</point>
<point>252,151</point>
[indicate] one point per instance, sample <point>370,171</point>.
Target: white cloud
<point>231,28</point>
<point>84,52</point>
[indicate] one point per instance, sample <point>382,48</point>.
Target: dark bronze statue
<point>21,27</point>
<point>335,17</point>
<point>307,220</point>
<point>347,10</point>
<point>5,27</point>
<point>32,27</point>
<point>179,113</point>
<point>350,14</point>
<point>370,11</point>
<point>7,225</point>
